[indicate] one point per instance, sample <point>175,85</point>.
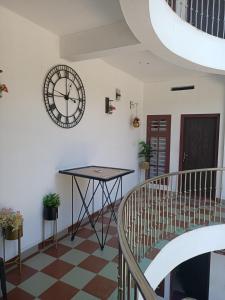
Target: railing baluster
<point>202,7</point>
<point>191,11</point>
<point>195,196</point>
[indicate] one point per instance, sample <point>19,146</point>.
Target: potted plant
<point>11,223</point>
<point>145,154</point>
<point>51,203</point>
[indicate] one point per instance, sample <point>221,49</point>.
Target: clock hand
<point>69,90</point>
<point>60,93</point>
<point>73,99</point>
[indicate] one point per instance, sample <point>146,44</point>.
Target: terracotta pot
<point>50,213</point>
<point>13,234</point>
<point>144,165</point>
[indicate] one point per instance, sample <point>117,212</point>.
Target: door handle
<point>185,156</point>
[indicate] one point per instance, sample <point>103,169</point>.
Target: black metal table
<point>99,176</point>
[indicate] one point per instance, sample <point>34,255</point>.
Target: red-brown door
<point>199,149</point>
<point>199,141</point>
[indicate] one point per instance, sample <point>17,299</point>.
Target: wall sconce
<point>109,108</point>
<point>118,94</point>
<point>136,120</point>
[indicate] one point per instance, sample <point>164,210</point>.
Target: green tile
<point>9,286</point>
<point>107,253</point>
<point>78,277</point>
<point>161,244</point>
<point>67,241</point>
<point>74,256</point>
<point>84,296</point>
<point>39,261</point>
<point>37,284</point>
<point>144,263</point>
<point>114,295</point>
<point>110,271</point>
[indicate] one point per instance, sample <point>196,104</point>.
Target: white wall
<point>217,279</point>
<point>207,97</point>
<point>33,148</point>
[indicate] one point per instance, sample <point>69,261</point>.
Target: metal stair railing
<point>157,211</point>
<point>206,15</point>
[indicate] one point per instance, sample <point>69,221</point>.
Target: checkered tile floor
<point>75,270</point>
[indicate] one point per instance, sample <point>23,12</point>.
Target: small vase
<point>12,235</point>
<point>50,213</point>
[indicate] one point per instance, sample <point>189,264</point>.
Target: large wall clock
<point>64,96</point>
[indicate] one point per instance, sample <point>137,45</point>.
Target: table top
<point>97,172</point>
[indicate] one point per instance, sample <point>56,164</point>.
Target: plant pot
<point>50,213</point>
<point>12,235</point>
<point>145,165</point>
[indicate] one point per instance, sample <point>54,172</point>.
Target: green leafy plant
<point>145,151</point>
<point>51,200</point>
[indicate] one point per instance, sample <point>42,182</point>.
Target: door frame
<point>216,148</point>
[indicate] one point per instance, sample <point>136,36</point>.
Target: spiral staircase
<point>175,209</point>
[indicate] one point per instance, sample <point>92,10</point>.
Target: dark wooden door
<point>199,141</point>
<point>191,279</point>
<point>199,150</point>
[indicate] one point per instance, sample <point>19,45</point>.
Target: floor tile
<point>81,295</point>
<point>18,294</point>
<point>110,271</point>
<point>59,291</point>
<point>37,284</point>
<point>78,277</point>
<point>88,246</point>
<point>161,244</point>
<point>93,237</point>
<point>107,253</point>
<point>74,256</point>
<point>84,233</point>
<point>67,241</point>
<point>114,295</point>
<point>57,252</point>
<point>100,287</point>
<point>15,277</point>
<point>93,263</point>
<point>144,263</point>
<point>9,288</point>
<point>57,269</point>
<point>113,242</point>
<point>112,230</point>
<point>39,261</point>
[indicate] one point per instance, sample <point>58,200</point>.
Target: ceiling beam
<point>98,42</point>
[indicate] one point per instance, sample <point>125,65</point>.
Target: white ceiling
<point>67,16</point>
<point>70,16</point>
<point>147,67</point>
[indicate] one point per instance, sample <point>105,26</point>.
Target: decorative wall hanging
<point>136,120</point>
<point>109,108</point>
<point>64,96</point>
<point>3,87</point>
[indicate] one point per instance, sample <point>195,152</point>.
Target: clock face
<point>64,96</point>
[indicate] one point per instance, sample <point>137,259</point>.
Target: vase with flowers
<point>11,223</point>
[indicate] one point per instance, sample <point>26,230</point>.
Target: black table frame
<point>106,199</point>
